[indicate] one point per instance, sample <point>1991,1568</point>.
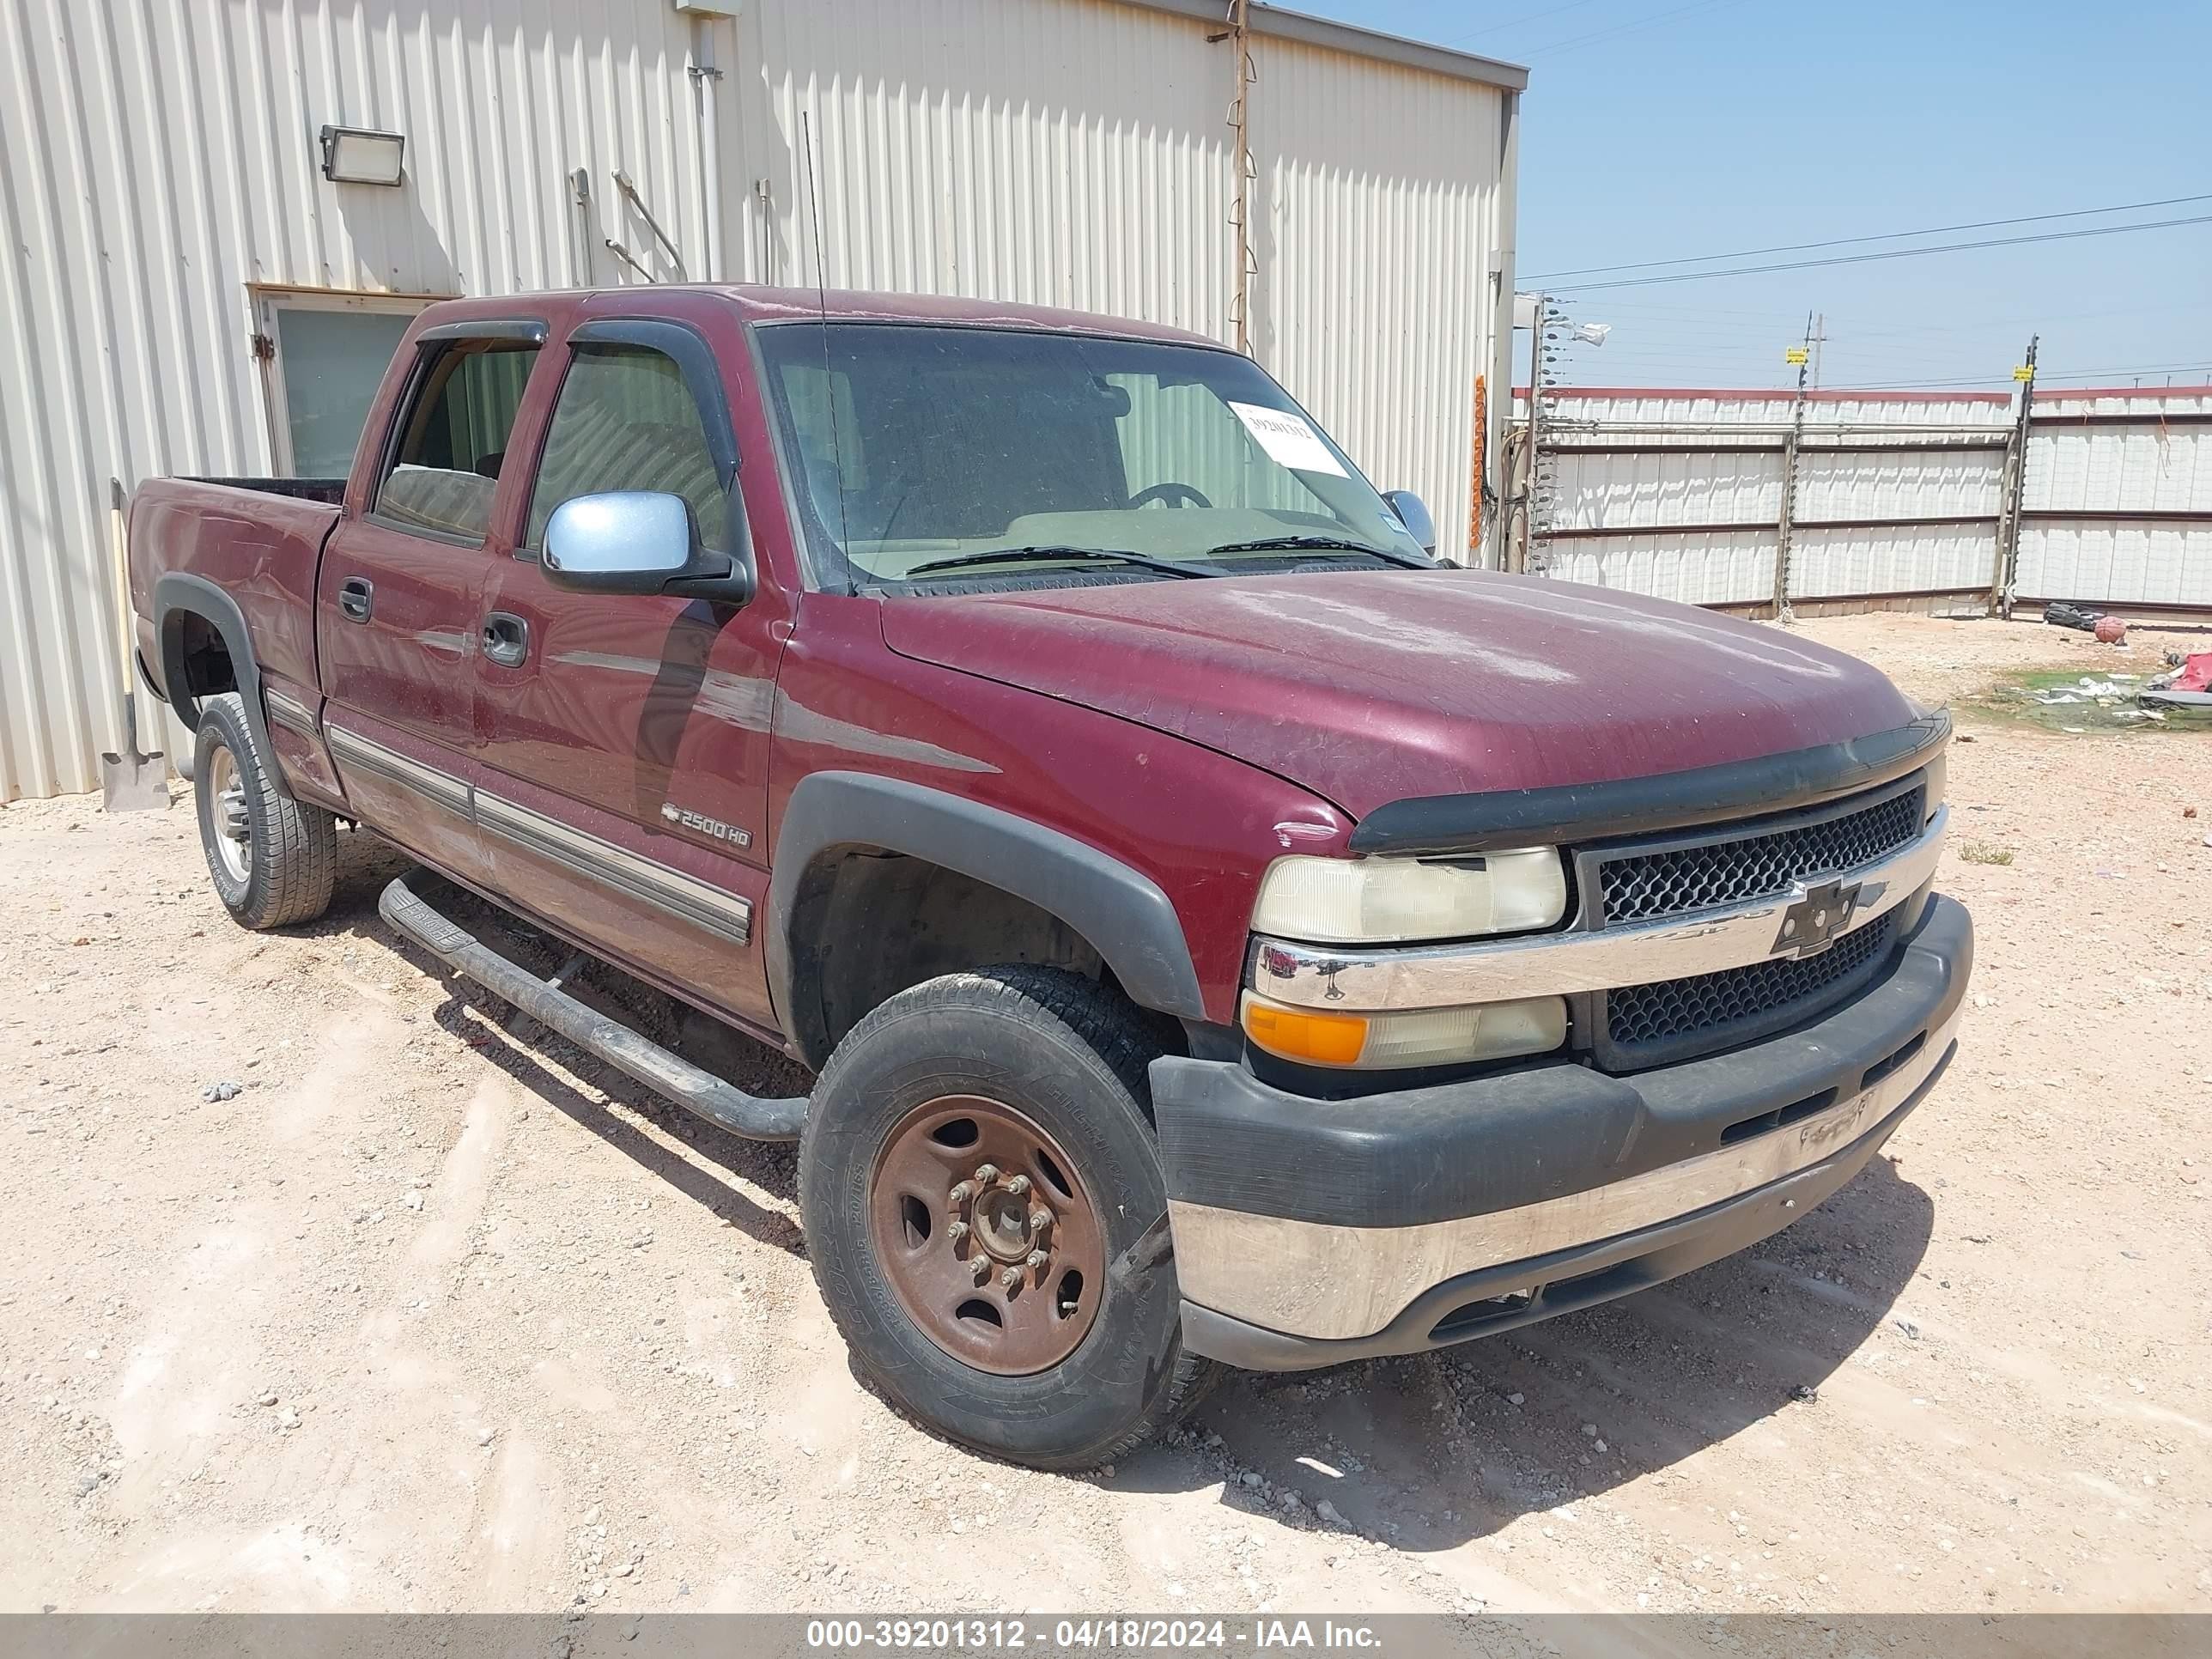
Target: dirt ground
<point>430,1317</point>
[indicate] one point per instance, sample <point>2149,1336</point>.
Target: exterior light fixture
<point>361,155</point>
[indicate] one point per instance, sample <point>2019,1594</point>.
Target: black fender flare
<point>178,594</point>
<point>1127,920</point>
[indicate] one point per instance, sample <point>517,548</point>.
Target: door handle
<point>506,639</point>
<point>356,598</point>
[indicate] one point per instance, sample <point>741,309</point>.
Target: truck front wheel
<point>975,1161</point>
<point>273,859</point>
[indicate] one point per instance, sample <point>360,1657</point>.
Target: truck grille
<point>1673,1019</point>
<point>1640,886</point>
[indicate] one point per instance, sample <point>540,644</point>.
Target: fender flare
<point>1127,920</point>
<point>178,594</point>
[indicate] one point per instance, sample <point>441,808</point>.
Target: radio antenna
<point>829,385</point>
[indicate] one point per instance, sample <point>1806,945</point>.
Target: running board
<point>721,1104</point>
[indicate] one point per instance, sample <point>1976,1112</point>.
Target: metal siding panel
<point>1730,567</point>
<point>1375,193</point>
<point>2113,562</point>
<point>1703,485</point>
<point>1899,559</point>
<point>162,158</point>
<point>1913,483</point>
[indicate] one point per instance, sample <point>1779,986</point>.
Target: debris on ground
<point>215,1091</point>
<point>2062,615</point>
<point>2189,687</point>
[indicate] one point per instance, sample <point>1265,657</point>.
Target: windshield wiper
<point>1321,543</point>
<point>1023,555</point>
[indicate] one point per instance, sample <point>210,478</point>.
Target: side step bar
<point>723,1104</point>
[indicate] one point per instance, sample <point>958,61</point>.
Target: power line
<point>1845,241</point>
<point>2042,375</point>
<point>1892,253</point>
<point>1575,43</point>
<point>1515,22</point>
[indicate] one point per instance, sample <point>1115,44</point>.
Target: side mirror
<point>637,541</point>
<point>1415,517</point>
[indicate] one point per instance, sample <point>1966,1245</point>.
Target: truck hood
<point>1370,687</point>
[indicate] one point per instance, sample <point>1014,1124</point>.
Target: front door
<point>401,591</point>
<point>625,736</point>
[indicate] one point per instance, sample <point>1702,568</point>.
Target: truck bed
<point>331,491</point>
<point>259,540</point>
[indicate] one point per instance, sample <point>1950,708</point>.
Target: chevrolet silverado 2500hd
<point>1220,933</point>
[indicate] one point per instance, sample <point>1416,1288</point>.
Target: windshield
<point>958,449</point>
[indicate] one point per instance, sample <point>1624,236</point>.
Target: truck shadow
<point>504,1038</point>
<point>1429,1451</point>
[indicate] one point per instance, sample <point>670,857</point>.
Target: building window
<point>325,355</point>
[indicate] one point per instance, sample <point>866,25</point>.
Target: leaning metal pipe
<point>724,1105</point>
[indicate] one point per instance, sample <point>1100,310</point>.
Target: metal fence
<point>1957,503</point>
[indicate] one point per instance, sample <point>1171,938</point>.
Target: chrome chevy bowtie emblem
<point>1817,919</point>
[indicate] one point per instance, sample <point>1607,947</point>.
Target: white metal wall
<point>2106,459</point>
<point>158,156</point>
<point>1375,222</point>
<point>1702,471</point>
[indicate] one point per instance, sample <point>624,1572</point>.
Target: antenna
<point>829,387</point>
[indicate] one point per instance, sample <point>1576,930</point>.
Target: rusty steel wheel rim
<point>987,1235</point>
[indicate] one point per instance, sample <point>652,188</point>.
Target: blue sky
<point>1657,129</point>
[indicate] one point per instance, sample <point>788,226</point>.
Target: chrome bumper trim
<point>1672,947</point>
<point>1317,1280</point>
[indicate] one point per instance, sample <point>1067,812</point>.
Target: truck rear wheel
<point>975,1160</point>
<point>274,860</point>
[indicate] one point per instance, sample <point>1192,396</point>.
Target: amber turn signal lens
<point>1301,1034</point>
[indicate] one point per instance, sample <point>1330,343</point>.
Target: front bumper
<point>1312,1231</point>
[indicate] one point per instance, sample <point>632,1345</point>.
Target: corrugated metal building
<point>182,289</point>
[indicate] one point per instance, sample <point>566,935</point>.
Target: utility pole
<point>1802,357</point>
<point>1820,338</point>
<point>1537,500</point>
<point>2005,568</point>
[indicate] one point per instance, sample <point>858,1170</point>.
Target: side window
<point>453,438</point>
<point>627,420</point>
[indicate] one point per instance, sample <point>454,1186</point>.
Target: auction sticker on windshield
<point>1288,439</point>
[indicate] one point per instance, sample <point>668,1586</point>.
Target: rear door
<point>401,590</point>
<point>625,736</point>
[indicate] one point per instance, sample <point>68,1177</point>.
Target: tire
<point>1067,1057</point>
<point>280,870</point>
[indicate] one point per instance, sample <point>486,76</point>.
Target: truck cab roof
<point>762,303</point>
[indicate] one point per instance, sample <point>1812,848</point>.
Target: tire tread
<point>297,858</point>
<point>1104,1021</point>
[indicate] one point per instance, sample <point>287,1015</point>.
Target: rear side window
<point>452,439</point>
<point>626,420</point>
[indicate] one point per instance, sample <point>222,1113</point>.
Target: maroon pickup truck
<point>1221,931</point>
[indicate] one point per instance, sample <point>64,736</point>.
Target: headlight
<point>1380,901</point>
<point>1425,1036</point>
